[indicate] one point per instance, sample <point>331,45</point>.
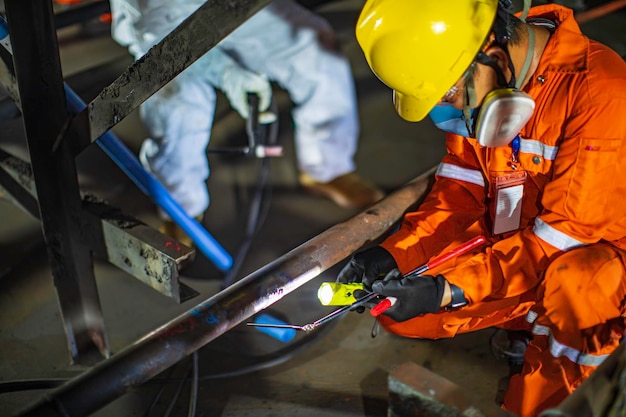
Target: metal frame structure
<point>39,84</point>
<point>75,226</point>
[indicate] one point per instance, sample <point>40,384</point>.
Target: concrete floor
<point>339,370</point>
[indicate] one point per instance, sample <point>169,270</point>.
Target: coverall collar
<point>566,52</point>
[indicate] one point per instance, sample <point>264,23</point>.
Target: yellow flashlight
<point>337,293</point>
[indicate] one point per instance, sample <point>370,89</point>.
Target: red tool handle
<point>385,304</point>
<point>465,247</point>
<point>381,307</point>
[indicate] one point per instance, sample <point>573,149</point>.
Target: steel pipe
<point>599,11</point>
<point>182,336</point>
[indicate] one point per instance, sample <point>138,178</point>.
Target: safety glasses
<point>458,86</point>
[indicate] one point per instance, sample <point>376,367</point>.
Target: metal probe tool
<point>311,326</point>
<point>385,303</point>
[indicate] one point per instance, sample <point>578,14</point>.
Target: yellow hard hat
<point>421,48</point>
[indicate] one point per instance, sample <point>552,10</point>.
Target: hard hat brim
<point>410,108</point>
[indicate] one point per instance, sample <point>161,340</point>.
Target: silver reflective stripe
<point>461,174</point>
<point>552,236</point>
<point>538,148</point>
<point>558,349</point>
<point>531,316</point>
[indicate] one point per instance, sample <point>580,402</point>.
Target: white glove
<point>124,17</point>
<point>238,82</point>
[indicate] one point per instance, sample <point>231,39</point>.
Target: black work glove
<point>414,296</point>
<point>367,266</point>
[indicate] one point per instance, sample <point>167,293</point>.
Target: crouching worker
<point>536,156</point>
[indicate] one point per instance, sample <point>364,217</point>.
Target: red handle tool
<point>385,304</point>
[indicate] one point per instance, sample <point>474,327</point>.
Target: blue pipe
<point>129,163</point>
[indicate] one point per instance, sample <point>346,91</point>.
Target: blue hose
<point>128,162</point>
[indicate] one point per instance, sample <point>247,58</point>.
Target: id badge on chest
<point>507,203</point>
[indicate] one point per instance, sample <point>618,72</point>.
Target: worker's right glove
<point>367,266</point>
<point>414,296</point>
<point>237,82</point>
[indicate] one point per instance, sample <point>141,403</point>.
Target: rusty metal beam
<point>131,245</point>
<point>416,391</point>
<point>200,32</point>
<point>187,333</point>
<point>40,84</point>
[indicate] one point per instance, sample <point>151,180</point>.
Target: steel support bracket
<point>131,245</point>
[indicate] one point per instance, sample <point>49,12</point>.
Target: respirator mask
<point>503,112</point>
<point>496,123</point>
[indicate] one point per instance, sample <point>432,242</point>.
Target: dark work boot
<point>509,345</point>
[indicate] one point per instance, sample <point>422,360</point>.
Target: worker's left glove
<point>368,266</point>
<point>237,82</point>
<point>414,296</point>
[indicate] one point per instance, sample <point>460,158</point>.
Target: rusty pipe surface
<point>599,11</point>
<point>168,344</point>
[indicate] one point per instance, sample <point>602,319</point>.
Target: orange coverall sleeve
<point>449,208</point>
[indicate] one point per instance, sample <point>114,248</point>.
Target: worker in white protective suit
<point>285,43</point>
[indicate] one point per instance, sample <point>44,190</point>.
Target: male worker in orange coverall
<point>536,161</point>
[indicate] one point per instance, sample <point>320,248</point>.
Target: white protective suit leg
<point>297,49</point>
<point>179,118</point>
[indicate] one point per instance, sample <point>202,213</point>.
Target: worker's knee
<point>575,272</point>
<point>585,286</point>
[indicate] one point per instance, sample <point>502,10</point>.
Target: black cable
<point>176,395</point>
<point>154,401</point>
<point>253,225</point>
<point>193,394</point>
<point>157,397</point>
<point>260,201</point>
